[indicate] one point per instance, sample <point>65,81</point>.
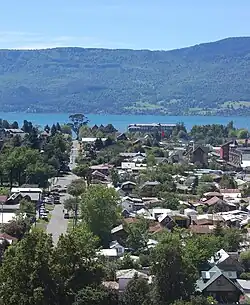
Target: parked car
<point>66,216</point>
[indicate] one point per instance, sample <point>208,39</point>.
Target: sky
<point>129,24</point>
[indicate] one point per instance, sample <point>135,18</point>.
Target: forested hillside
<point>204,79</point>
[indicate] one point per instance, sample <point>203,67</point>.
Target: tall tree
<point>137,292</point>
<point>78,120</point>
<point>25,276</point>
<point>99,211</point>
<point>175,276</point>
<point>74,264</point>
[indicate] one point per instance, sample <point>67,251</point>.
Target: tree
<point>25,276</point>
<point>199,249</point>
<point>70,204</point>
<point>99,211</point>
<point>245,260</point>
<point>114,177</point>
<point>17,227</point>
<point>127,262</point>
<point>27,207</point>
<point>14,125</point>
<point>218,230</point>
<point>227,182</point>
<point>53,130</point>
<point>136,292</point>
<point>74,264</point>
<point>66,129</point>
<point>99,295</point>
<point>242,134</point>
<point>78,120</point>
<point>5,124</point>
<point>232,239</point>
<point>137,234</point>
<point>82,170</point>
<point>77,187</point>
<point>175,276</point>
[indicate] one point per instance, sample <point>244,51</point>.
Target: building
<point>33,194</point>
<point>197,155</point>
<point>151,128</point>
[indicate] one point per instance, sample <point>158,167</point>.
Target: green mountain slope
<point>195,80</point>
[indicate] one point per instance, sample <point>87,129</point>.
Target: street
<point>57,224</point>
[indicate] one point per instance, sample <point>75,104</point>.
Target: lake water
<point>122,121</point>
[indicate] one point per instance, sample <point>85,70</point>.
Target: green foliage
<point>136,292</point>
<point>228,182</point>
<point>25,275</point>
<point>89,80</point>
<point>96,296</point>
<point>127,263</point>
<point>245,260</point>
<point>99,211</point>
<point>77,187</point>
<point>137,234</point>
<point>73,264</point>
<point>175,276</point>
<point>17,227</point>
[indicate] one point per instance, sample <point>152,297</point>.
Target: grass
<point>49,207</point>
<point>70,225</point>
<point>42,224</point>
<point>236,105</point>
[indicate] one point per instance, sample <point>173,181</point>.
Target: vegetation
<point>205,79</point>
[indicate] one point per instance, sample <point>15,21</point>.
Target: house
<point>128,186</point>
<point>231,193</point>
<point>10,239</point>
<point>148,187</point>
<point>245,287</point>
<point>102,168</point>
<point>198,155</point>
<point>122,137</point>
<point>119,234</point>
<point>32,194</point>
<point>96,175</point>
<point>111,254</point>
<point>210,195</point>
<point>119,248</point>
<point>220,285</point>
<point>124,276</point>
<point>10,132</point>
<point>226,261</point>
<point>172,218</point>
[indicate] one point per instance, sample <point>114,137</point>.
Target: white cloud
<point>29,40</point>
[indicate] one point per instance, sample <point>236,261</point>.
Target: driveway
<point>57,224</point>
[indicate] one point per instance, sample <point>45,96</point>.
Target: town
<point>153,215</point>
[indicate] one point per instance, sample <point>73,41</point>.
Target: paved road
<point>58,225</point>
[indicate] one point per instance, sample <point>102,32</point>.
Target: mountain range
<point>206,79</point>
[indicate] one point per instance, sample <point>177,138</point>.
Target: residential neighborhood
<point>166,210</point>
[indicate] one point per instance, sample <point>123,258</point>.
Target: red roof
<point>212,201</point>
<point>3,198</point>
<point>202,229</point>
<point>7,236</point>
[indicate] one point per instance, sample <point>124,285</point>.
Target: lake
<point>122,121</point>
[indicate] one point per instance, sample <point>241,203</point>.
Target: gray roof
<point>129,274</point>
<point>244,284</point>
<point>201,285</point>
<point>151,183</point>
<point>117,229</point>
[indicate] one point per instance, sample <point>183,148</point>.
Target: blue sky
<point>137,24</point>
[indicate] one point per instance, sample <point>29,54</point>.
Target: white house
<point>119,248</point>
